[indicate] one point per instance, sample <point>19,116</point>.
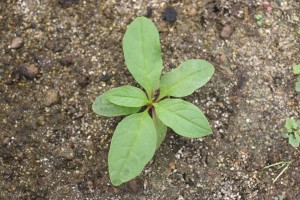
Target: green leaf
<point>185,79</point>
<point>294,140</point>
<point>296,69</point>
<point>259,17</point>
<point>298,123</point>
<point>103,107</point>
<point>128,96</point>
<point>290,124</point>
<point>142,53</point>
<point>161,129</point>
<point>297,86</point>
<point>285,134</point>
<point>132,147</point>
<point>183,117</point>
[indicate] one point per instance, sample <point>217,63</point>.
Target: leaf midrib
<point>144,57</point>
<point>130,149</point>
<point>129,97</point>
<point>182,117</point>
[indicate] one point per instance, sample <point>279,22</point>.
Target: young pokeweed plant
<point>292,131</point>
<point>296,70</point>
<point>138,135</point>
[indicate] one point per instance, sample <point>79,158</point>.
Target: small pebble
<point>6,141</point>
<point>226,31</point>
<point>16,43</point>
<point>29,71</point>
<point>73,110</point>
<point>51,98</point>
<point>192,12</point>
<point>79,115</point>
<point>172,165</point>
<point>267,6</point>
<point>170,15</point>
<point>162,26</point>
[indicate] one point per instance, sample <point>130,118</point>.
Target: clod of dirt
<point>57,45</point>
<point>149,11</point>
<point>68,3</point>
<point>51,98</point>
<point>83,80</point>
<point>226,31</point>
<point>104,77</point>
<point>170,15</point>
<point>8,174</point>
<point>16,43</point>
<point>133,186</point>
<point>29,71</point>
<point>162,26</point>
<point>66,61</point>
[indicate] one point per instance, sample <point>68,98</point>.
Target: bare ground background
<point>52,146</point>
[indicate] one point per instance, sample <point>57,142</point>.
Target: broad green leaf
<point>161,129</point>
<point>294,140</point>
<point>142,53</point>
<point>296,69</point>
<point>290,124</point>
<point>132,147</point>
<point>103,107</point>
<point>183,117</point>
<point>184,80</point>
<point>128,96</point>
<point>297,87</point>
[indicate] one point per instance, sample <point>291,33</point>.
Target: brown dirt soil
<point>52,146</point>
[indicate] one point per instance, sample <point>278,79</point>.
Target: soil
<point>57,56</point>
